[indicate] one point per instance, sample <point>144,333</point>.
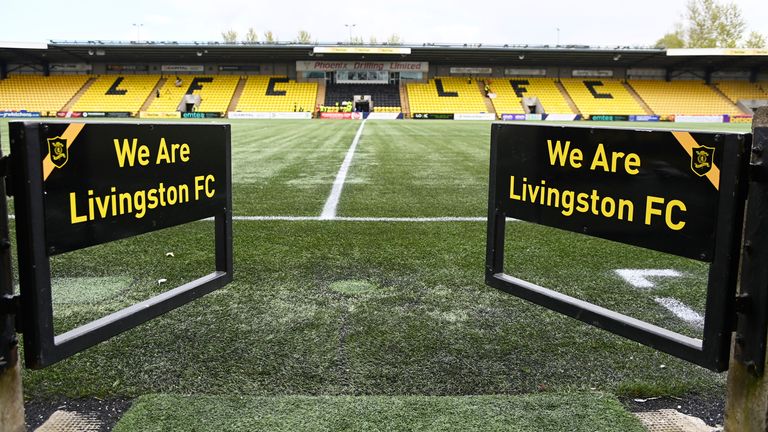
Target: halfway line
<point>329,210</point>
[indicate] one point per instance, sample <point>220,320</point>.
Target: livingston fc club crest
<point>702,159</point>
<point>57,150</point>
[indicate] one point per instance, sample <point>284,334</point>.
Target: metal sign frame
<point>41,346</point>
<point>752,301</point>
<point>712,351</point>
<point>8,302</point>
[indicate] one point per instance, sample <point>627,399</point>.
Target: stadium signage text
<point>71,67</point>
<point>342,116</point>
<point>471,70</point>
<point>360,50</point>
<point>182,68</point>
<point>608,117</point>
<point>102,182</point>
<point>658,190</point>
<point>19,114</point>
<point>201,114</point>
<point>606,73</point>
<point>329,66</point>
<point>432,116</point>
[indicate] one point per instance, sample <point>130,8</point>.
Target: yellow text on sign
<point>560,154</point>
<point>130,152</point>
<point>204,183</point>
<point>655,206</point>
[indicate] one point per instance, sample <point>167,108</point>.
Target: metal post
<point>349,26</point>
<point>138,31</point>
<point>747,388</point>
<point>11,398</point>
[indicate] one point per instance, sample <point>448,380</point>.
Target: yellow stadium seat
<point>117,93</point>
<point>285,96</point>
<point>386,109</point>
<point>736,90</point>
<point>507,100</point>
<point>601,96</point>
<point>39,93</point>
<point>459,96</point>
<point>215,92</point>
<point>682,97</point>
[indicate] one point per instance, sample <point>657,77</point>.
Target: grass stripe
<point>573,412</point>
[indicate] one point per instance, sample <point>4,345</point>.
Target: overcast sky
<point>587,22</point>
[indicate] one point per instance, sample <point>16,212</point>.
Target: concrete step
<point>405,105</point>
<point>567,98</point>
<point>236,95</point>
<point>637,97</point>
<point>153,95</point>
<point>68,106</point>
<point>488,102</point>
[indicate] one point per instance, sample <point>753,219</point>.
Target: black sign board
<point>672,191</point>
<point>104,182</point>
<point>82,184</point>
<point>658,190</point>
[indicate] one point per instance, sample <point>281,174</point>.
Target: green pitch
<point>387,307</point>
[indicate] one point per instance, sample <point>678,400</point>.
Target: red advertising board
<point>342,115</point>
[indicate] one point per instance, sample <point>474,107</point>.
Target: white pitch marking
<point>329,210</point>
<point>639,277</point>
<point>681,311</point>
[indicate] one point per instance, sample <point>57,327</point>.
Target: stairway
<point>236,95</point>
<point>405,106</point>
<point>726,98</point>
<point>567,97</point>
<point>638,99</point>
<point>320,100</point>
<point>68,106</point>
<point>153,95</point>
<point>488,102</point>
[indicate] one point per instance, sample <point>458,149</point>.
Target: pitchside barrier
<point>682,193</point>
<point>77,185</point>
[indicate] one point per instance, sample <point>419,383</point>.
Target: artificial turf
<point>572,412</point>
<point>341,308</point>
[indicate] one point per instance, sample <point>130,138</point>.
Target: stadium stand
<point>390,109</point>
<point>683,97</point>
<point>506,100</point>
<point>264,93</point>
<point>509,94</point>
<point>117,93</point>
<point>736,90</point>
<point>215,92</point>
<point>446,95</point>
<point>601,96</point>
<point>39,93</point>
<point>382,95</point>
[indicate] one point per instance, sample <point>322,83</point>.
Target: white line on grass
<point>639,277</point>
<point>329,210</point>
<point>681,311</point>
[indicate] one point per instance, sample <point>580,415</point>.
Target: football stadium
<point>359,203</point>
